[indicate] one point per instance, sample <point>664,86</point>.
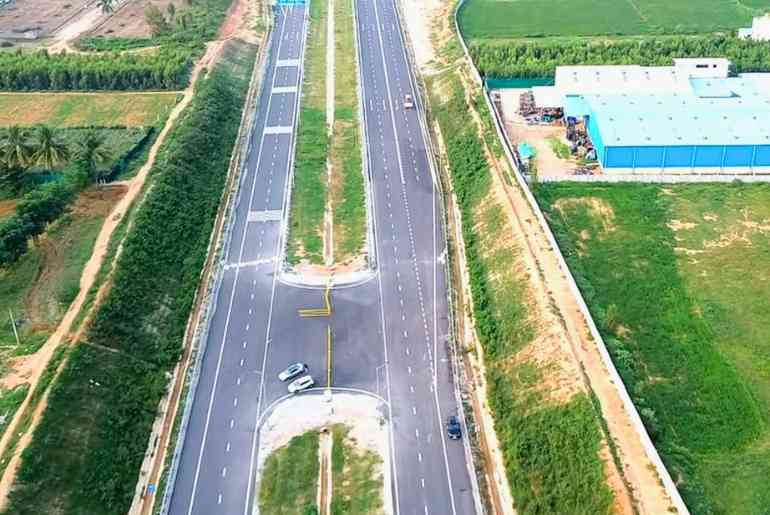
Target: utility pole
<point>13,324</point>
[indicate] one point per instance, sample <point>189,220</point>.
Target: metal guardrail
<point>651,451</point>
<point>215,282</point>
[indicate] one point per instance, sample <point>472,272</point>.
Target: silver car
<point>292,370</point>
<point>303,383</point>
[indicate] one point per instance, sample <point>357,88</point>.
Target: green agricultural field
<point>677,279</point>
<point>86,109</point>
<point>535,18</point>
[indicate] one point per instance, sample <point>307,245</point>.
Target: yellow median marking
<point>319,312</point>
<point>328,356</point>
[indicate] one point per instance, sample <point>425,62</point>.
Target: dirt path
<point>91,269</point>
<point>636,484</point>
<point>325,472</point>
<point>328,233</point>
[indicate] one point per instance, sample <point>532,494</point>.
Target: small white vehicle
<point>408,102</point>
<point>303,383</point>
<point>292,371</point>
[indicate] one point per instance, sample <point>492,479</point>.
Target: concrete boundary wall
<point>652,452</point>
<point>658,178</point>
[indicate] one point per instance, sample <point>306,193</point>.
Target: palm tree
<point>90,152</point>
<point>107,5</point>
<point>15,154</point>
<point>48,150</point>
<point>14,147</point>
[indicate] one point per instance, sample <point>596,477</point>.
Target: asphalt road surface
<point>389,332</point>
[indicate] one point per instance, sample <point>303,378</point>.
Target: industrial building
<point>689,117</point>
<point>759,30</point>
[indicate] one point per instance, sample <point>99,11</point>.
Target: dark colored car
<point>453,428</point>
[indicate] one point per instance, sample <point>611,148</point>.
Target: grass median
<point>347,191</point>
<point>308,200</point>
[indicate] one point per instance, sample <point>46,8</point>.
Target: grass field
<point>550,439</point>
<point>85,109</point>
<point>347,191</point>
<point>534,18</point>
<point>39,287</point>
<point>289,480</point>
<point>357,480</point>
<point>677,280</point>
<point>308,199</point>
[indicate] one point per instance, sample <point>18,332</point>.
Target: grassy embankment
<point>289,482</point>
<point>86,452</point>
<point>308,199</point>
<point>86,109</point>
<point>537,18</point>
<point>347,191</point>
<point>677,280</point>
<point>550,445</point>
<point>356,478</point>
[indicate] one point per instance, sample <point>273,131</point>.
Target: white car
<point>292,371</point>
<point>408,102</point>
<point>303,383</point>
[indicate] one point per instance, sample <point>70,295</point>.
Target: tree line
<point>20,150</point>
<point>143,318</point>
<point>35,71</point>
<point>539,58</point>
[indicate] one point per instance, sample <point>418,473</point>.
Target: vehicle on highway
<point>453,428</point>
<point>408,102</point>
<point>292,371</point>
<point>303,383</point>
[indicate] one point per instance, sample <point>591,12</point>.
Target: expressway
<point>390,332</point>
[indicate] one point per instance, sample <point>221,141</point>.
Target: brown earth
<point>128,20</point>
<point>563,341</point>
<point>62,335</point>
<point>7,207</point>
<point>37,17</point>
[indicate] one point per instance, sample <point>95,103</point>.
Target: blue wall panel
<point>619,157</point>
<point>649,157</point>
<point>708,156</point>
<point>679,157</point>
<point>762,157</point>
<point>739,155</point>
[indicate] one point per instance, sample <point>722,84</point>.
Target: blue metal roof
<point>684,119</point>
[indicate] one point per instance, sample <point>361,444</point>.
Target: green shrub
<point>86,453</point>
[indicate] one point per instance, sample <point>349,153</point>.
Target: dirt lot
<point>128,20</point>
<point>519,131</point>
<point>33,19</point>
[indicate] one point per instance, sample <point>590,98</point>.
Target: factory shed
<point>717,124</point>
<point>631,131</point>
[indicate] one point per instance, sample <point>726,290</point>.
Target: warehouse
<point>690,117</point>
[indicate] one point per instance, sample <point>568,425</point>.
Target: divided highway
<point>390,332</point>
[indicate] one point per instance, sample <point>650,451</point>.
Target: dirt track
<point>63,332</point>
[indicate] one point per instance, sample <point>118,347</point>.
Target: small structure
<point>759,30</point>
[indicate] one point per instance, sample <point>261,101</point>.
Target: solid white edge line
<point>229,309</point>
<point>282,234</point>
<point>433,193</point>
<point>394,470</point>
